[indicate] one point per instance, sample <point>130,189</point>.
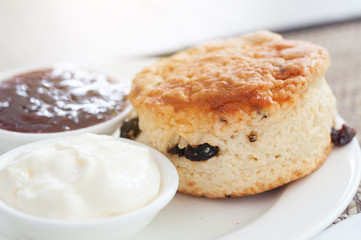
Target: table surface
<point>343,41</point>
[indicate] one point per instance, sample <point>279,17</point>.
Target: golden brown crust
<point>256,72</point>
<point>222,93</point>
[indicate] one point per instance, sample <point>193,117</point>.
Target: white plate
<point>298,210</point>
<point>347,229</point>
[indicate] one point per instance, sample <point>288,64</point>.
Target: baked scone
<point>238,116</point>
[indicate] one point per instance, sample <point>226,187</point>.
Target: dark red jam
<point>56,100</point>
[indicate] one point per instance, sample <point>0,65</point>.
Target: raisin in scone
<point>238,116</point>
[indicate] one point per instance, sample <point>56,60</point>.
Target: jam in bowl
<point>58,100</point>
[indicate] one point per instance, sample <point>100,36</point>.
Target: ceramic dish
<point>347,229</point>
<point>17,225</point>
<point>298,210</point>
<point>12,139</point>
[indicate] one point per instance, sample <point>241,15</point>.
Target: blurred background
<point>43,31</point>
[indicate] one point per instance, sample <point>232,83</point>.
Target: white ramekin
<point>17,225</point>
<point>12,139</point>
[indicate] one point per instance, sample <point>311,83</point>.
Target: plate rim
<point>332,215</point>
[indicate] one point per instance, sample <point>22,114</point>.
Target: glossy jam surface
<point>56,100</point>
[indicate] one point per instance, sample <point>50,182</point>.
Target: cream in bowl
<point>83,187</point>
<point>63,99</point>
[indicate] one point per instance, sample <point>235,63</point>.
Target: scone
<point>238,116</point>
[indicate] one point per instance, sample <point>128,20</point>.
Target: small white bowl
<point>13,139</point>
<point>15,224</point>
